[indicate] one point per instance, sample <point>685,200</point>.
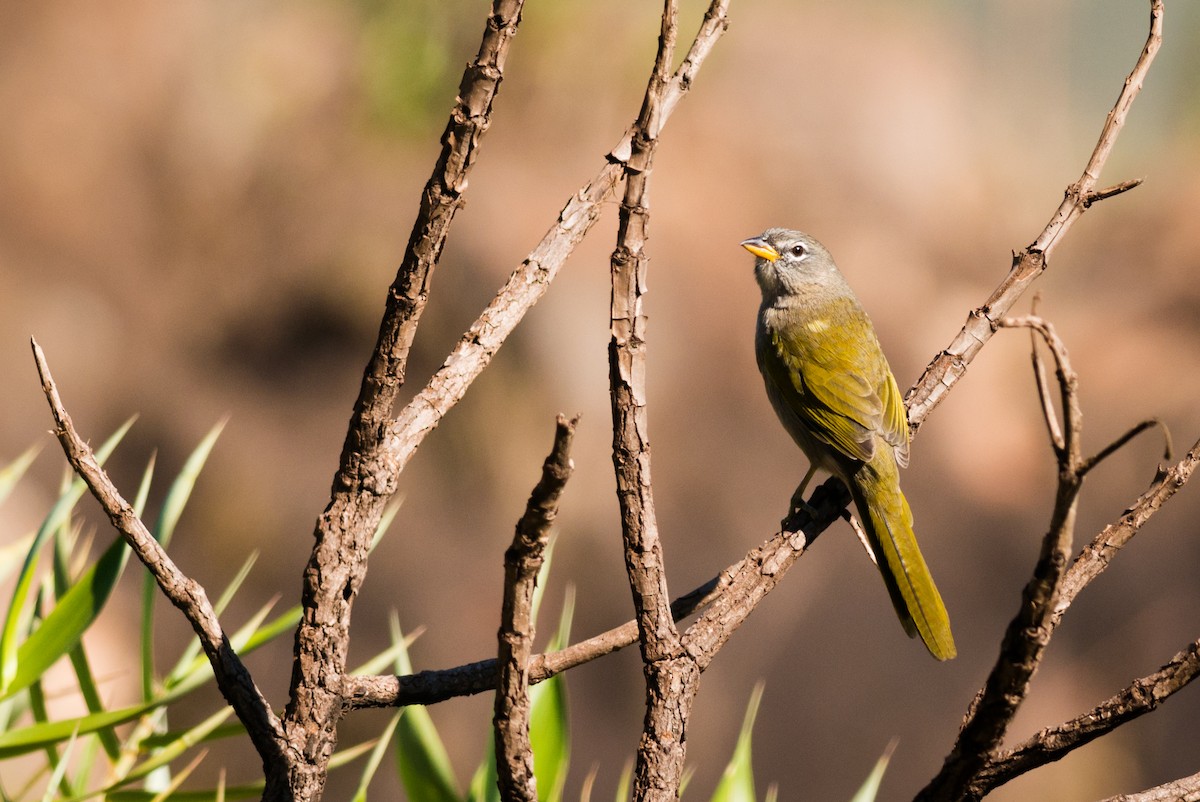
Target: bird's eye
<point>798,250</point>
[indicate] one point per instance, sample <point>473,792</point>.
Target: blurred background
<point>202,205</point>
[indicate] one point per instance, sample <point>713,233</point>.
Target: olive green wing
<point>843,390</point>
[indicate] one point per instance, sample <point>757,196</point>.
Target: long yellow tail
<point>888,523</point>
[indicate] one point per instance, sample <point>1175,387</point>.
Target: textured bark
<point>367,473</point>
<point>522,561</point>
<point>232,676</point>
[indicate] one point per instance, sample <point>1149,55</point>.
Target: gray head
<point>791,263</point>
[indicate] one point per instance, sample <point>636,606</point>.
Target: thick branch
<point>232,676</point>
<point>1185,789</point>
<point>366,476</point>
<point>671,678</point>
<point>1140,697</point>
<point>522,561</point>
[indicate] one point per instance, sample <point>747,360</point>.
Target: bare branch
<point>949,366</point>
<point>430,687</point>
<point>1029,632</point>
<point>366,475</point>
<point>530,281</point>
<point>1096,556</point>
<point>1133,432</point>
<point>672,679</point>
<point>232,676</point>
<point>1108,192</point>
<point>1054,743</point>
<point>522,561</point>
<point>1186,789</point>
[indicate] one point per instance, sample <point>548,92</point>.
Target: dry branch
<point>949,366</point>
<point>1096,556</point>
<point>367,473</point>
<point>1186,789</point>
<point>1029,632</point>
<point>1140,697</point>
<point>672,679</point>
<point>232,676</point>
<point>522,562</point>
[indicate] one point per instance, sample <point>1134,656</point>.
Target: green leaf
<point>624,782</point>
<point>60,770</point>
<point>549,732</point>
<point>485,785</point>
<point>180,744</point>
<point>870,788</point>
<point>228,792</point>
<point>38,736</point>
<point>172,509</point>
<point>57,516</point>
<point>376,757</point>
<point>64,626</point>
<point>11,473</point>
<point>737,783</point>
<point>421,758</point>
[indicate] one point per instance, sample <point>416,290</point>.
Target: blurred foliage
<point>85,755</point>
<point>411,58</point>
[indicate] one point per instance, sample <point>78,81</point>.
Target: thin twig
<point>438,685</point>
<point>232,676</point>
<point>1140,697</point>
<point>1133,432</point>
<point>949,366</point>
<point>522,561</point>
<point>1096,556</point>
<point>1108,192</point>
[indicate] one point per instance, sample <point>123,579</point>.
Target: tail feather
<point>887,520</point>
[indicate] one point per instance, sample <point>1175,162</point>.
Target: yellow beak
<point>760,248</point>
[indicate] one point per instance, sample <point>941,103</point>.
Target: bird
<point>831,387</point>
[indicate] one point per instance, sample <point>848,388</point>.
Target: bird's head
<point>791,263</point>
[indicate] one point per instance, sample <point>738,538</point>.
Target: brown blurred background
<point>202,205</point>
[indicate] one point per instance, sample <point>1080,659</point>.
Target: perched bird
<point>832,389</point>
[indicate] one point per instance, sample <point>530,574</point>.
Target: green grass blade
<point>37,736</point>
<point>58,514</point>
<point>737,783</point>
<point>228,793</point>
<point>549,731</point>
<point>870,788</point>
<point>177,746</point>
<point>62,629</point>
<point>11,473</point>
<point>12,555</point>
<point>191,660</point>
<point>185,482</point>
<point>385,523</point>
<point>164,529</point>
<point>368,772</point>
<point>107,738</point>
<point>421,758</point>
<point>58,778</point>
<point>624,782</point>
<point>236,584</point>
